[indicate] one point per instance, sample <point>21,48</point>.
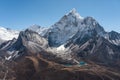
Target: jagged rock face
<point>7,44</point>
<point>105,52</point>
<point>4,48</point>
<point>95,48</point>
<point>27,41</point>
<point>113,37</point>
<point>30,36</point>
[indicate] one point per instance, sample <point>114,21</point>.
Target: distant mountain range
<point>67,42</point>
<point>7,34</point>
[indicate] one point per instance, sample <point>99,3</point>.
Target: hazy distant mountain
<point>7,34</point>
<point>40,30</point>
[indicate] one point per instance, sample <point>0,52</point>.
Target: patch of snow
<point>8,58</point>
<point>61,48</point>
<point>10,52</point>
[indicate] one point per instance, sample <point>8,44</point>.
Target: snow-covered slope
<point>8,34</point>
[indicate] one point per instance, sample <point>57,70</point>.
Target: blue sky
<point>19,14</point>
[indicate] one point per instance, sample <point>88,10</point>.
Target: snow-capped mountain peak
<point>74,13</point>
<point>73,10</point>
<point>71,24</point>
